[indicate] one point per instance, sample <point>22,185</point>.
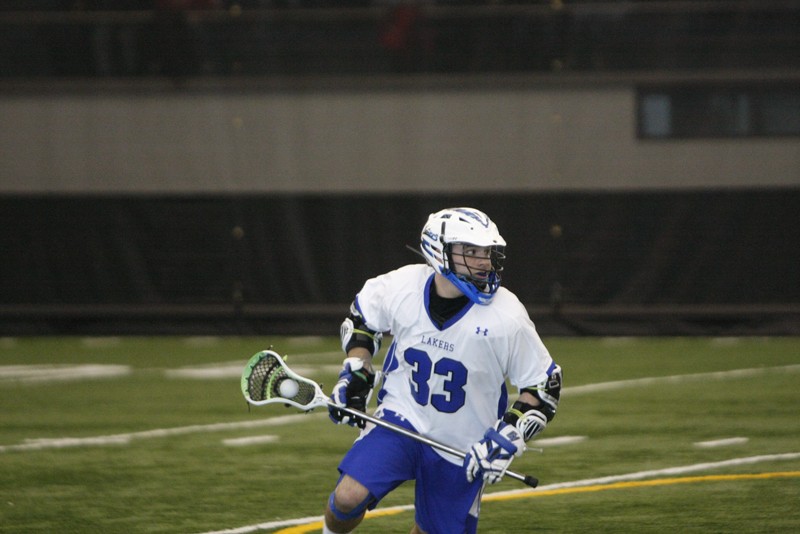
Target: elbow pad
<point>548,392</point>
<point>354,332</point>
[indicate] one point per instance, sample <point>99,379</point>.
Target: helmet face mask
<point>465,246</point>
<point>472,271</point>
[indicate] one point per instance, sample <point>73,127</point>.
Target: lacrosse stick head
<point>264,381</point>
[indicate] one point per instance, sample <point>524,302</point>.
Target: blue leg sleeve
<point>352,514</point>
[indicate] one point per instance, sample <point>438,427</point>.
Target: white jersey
<point>449,383</point>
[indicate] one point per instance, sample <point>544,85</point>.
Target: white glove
<point>490,457</point>
<point>531,423</point>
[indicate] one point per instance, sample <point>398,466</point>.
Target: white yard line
<point>678,379</point>
<point>561,440</point>
<point>63,372</point>
<point>721,442</point>
<point>640,475</point>
<point>65,443</point>
<point>226,370</point>
<point>118,439</point>
<point>234,370</point>
<point>57,373</point>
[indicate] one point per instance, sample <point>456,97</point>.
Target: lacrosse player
<point>457,337</point>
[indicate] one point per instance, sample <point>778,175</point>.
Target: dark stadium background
<point>143,191</point>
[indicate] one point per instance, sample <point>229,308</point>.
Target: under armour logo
<point>484,330</point>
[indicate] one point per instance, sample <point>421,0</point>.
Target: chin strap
<point>471,290</point>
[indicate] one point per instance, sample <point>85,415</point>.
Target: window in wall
<point>705,112</point>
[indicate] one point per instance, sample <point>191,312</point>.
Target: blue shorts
<point>445,502</point>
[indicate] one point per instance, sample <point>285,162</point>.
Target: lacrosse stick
<point>266,379</point>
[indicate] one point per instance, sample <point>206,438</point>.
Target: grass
<point>159,479</point>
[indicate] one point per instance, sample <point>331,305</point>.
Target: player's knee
<point>350,492</point>
<point>349,500</point>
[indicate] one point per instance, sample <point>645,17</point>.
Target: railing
<point>419,38</point>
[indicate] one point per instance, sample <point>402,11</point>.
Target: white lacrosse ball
<point>288,388</point>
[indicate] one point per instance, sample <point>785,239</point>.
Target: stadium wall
<point>450,134</point>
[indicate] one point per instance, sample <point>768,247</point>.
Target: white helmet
<point>467,226</point>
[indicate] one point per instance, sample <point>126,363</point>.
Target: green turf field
<point>126,435</point>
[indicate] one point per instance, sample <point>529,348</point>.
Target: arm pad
<point>530,420</point>
<point>548,392</point>
<point>354,332</point>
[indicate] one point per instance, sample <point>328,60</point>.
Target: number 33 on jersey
<point>452,370</point>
